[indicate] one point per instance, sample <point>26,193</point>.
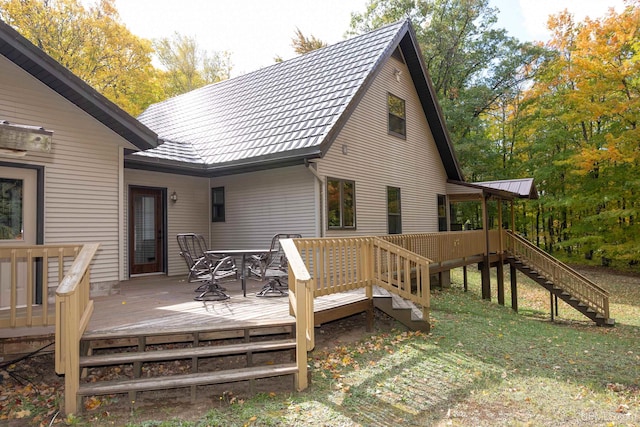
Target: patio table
<point>244,253</point>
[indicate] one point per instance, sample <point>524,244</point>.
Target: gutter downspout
<point>321,180</point>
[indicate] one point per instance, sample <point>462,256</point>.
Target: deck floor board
<point>165,304</point>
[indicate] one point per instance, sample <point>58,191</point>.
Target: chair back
<point>277,258</point>
<point>192,247</point>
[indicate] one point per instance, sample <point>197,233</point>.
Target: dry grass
<point>482,365</point>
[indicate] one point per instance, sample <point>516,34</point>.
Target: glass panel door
<point>146,231</point>
<point>18,194</point>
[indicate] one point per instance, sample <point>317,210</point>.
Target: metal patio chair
<point>205,268</point>
<point>273,266</point>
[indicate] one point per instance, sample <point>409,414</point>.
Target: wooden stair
<point>133,352</point>
<point>405,312</point>
<point>532,272</point>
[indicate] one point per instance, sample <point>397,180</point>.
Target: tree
<point>582,120</point>
<point>474,67</point>
<point>187,66</point>
<point>302,44</point>
<point>93,44</point>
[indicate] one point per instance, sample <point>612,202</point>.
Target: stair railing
<point>402,272</point>
<point>560,274</point>
<point>73,312</point>
<point>301,307</point>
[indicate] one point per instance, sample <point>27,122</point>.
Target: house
<point>342,141</point>
<point>71,190</point>
<point>346,140</point>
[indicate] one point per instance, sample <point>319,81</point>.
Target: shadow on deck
<point>165,304</point>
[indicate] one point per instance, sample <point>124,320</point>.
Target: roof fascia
<point>47,70</point>
<point>229,168</point>
<point>362,90</point>
<point>502,194</point>
<point>432,110</point>
<point>405,39</point>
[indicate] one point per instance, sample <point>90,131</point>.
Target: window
<point>397,116</point>
<point>442,212</point>
<point>341,203</point>
<point>217,204</point>
<point>394,211</point>
<point>11,209</point>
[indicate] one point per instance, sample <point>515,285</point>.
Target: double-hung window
<point>442,212</point>
<point>394,210</point>
<point>341,206</point>
<point>397,116</point>
<point>217,204</point>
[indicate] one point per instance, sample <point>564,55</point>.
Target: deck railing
<point>27,271</point>
<point>568,279</point>
<point>402,272</point>
<point>440,247</point>
<point>301,307</point>
<point>331,265</point>
<point>73,312</point>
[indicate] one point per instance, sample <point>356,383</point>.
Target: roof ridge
<point>296,106</point>
<point>289,61</point>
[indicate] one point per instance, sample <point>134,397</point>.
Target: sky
<point>257,31</point>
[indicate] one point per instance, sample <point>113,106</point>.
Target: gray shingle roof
<point>287,111</point>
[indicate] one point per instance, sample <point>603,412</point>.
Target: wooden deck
<point>165,304</point>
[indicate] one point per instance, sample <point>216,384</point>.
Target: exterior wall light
<point>174,197</point>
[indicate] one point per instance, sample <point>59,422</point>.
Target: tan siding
<point>261,204</point>
<point>376,159</point>
<point>81,171</point>
<point>190,214</point>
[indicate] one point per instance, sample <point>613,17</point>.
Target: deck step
<point>560,292</point>
<point>187,380</point>
<point>400,309</point>
<point>185,353</point>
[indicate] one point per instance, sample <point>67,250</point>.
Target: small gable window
<point>217,204</point>
<point>394,211</point>
<point>397,116</point>
<point>341,203</point>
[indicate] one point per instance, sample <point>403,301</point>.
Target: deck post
<point>486,279</point>
<point>301,335</point>
<point>500,276</point>
<point>514,288</point>
<point>486,276</point>
<point>551,303</point>
<point>465,278</point>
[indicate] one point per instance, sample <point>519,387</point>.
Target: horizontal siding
<point>190,214</point>
<point>375,159</point>
<point>261,204</point>
<point>81,171</point>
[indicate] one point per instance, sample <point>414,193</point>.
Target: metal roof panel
<point>288,106</point>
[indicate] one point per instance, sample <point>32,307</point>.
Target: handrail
<point>301,307</point>
<point>31,266</point>
<point>560,274</point>
<point>403,272</point>
<point>73,312</point>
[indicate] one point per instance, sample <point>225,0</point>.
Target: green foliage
<point>472,64</point>
<point>302,44</point>
<point>187,66</point>
<point>580,134</point>
<point>92,43</point>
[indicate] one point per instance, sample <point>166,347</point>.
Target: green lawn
<point>482,365</point>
